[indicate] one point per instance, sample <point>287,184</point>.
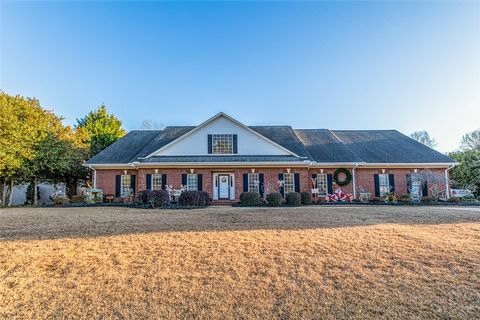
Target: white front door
<point>224,186</point>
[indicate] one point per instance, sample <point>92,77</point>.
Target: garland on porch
<point>348,177</point>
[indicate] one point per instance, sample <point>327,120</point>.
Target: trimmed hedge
<point>274,199</point>
<point>250,199</point>
<point>293,199</point>
<point>306,198</point>
<point>194,198</point>
<point>154,198</point>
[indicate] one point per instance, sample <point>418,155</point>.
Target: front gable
<point>196,141</point>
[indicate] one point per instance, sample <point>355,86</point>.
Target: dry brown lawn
<point>221,263</point>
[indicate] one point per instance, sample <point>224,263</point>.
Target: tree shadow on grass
<point>56,223</point>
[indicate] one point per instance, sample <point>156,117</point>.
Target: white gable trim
<point>218,115</point>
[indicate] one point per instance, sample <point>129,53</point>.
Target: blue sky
<point>340,65</point>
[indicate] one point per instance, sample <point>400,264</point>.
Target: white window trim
<point>158,176</point>
<point>217,136</point>
<point>292,175</point>
<point>191,176</point>
<point>381,186</point>
<point>126,185</point>
<point>251,183</point>
<point>322,176</point>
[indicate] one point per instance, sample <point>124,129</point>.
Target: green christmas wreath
<point>348,177</point>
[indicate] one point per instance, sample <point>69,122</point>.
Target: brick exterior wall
<point>364,178</point>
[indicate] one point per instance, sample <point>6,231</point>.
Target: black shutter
<point>118,182</point>
<point>184,179</point>
<point>199,182</point>
<point>210,150</point>
<point>235,144</point>
<point>149,182</point>
<point>133,183</point>
<point>297,181</point>
<point>245,182</point>
<point>424,189</point>
<point>314,181</point>
<point>260,184</point>
<point>391,182</point>
<point>409,183</point>
<point>330,183</point>
<point>282,189</point>
<point>377,185</point>
<point>164,181</point>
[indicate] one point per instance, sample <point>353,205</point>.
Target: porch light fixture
<point>156,171</point>
<point>383,171</point>
<point>288,170</point>
<point>321,171</point>
<point>415,170</point>
<point>125,172</point>
<point>253,170</point>
<point>191,171</point>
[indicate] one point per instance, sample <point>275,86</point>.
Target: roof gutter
<point>222,164</point>
<point>354,181</point>
<point>447,180</point>
<point>94,175</point>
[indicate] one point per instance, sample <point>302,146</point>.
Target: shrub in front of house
<point>427,200</point>
<point>454,200</point>
<point>77,198</point>
<point>61,201</point>
<point>142,197</point>
<point>194,199</point>
<point>154,198</point>
<point>274,199</point>
<point>250,199</point>
<point>158,198</point>
<point>306,198</point>
<point>404,198</point>
<point>293,199</point>
<point>207,200</point>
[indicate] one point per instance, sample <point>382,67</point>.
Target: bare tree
<point>471,140</point>
<point>152,125</point>
<point>424,137</point>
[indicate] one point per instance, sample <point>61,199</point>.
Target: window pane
<point>222,143</point>
<point>322,184</point>
<point>157,182</point>
<point>253,182</point>
<point>384,184</point>
<point>126,186</point>
<point>289,185</point>
<point>192,182</point>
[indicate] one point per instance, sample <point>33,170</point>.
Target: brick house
<point>225,158</point>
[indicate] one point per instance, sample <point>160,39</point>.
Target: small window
<point>126,186</point>
<point>222,143</point>
<point>192,182</point>
<point>384,183</point>
<point>322,184</point>
<point>416,187</point>
<point>289,182</point>
<point>157,182</point>
<point>253,183</point>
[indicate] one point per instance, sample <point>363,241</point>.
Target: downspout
<point>94,176</point>
<point>447,184</point>
<point>354,181</point>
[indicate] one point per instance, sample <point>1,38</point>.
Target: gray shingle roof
<point>320,145</point>
<point>325,147</point>
<point>125,149</point>
<point>284,136</point>
<point>388,146</point>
